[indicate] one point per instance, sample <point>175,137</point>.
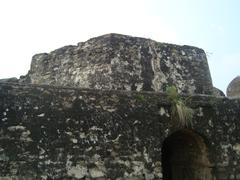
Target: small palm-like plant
<point>181,115</point>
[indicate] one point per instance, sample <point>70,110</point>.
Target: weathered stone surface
<point>217,92</point>
<point>233,89</point>
<point>122,62</point>
<point>52,132</point>
<point>55,133</point>
<point>10,80</point>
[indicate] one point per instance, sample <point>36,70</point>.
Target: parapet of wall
<point>123,62</point>
<point>57,133</point>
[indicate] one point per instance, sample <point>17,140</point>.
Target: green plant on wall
<point>181,114</point>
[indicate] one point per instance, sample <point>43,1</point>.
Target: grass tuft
<point>181,115</point>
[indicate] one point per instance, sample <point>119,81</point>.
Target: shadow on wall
<point>185,157</point>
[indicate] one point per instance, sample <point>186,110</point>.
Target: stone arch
<point>185,157</point>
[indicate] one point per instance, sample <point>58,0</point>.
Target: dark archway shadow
<point>185,157</point>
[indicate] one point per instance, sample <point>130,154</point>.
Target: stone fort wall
<point>123,62</point>
<point>97,111</point>
<point>52,132</point>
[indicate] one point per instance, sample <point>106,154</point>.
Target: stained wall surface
<point>56,133</point>
<point>121,62</point>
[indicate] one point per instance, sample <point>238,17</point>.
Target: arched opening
<point>185,157</point>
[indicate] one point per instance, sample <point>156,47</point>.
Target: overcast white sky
<point>35,26</point>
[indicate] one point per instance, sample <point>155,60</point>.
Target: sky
<point>28,27</point>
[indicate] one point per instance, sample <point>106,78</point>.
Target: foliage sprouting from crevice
<point>181,114</point>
